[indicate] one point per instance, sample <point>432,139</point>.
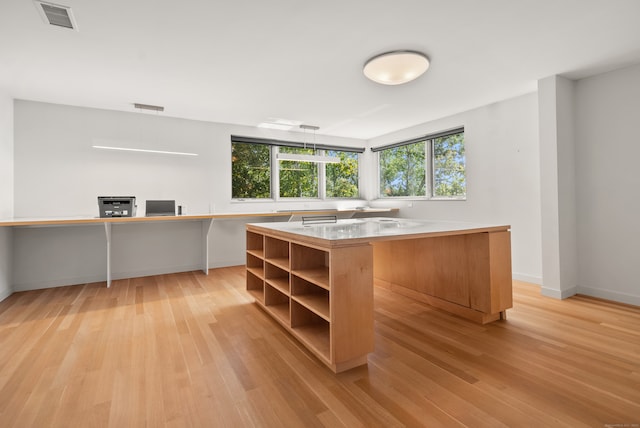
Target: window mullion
<point>429,168</point>
<point>275,174</point>
<point>322,178</point>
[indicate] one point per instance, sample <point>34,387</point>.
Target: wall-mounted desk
<point>206,221</point>
<point>317,280</point>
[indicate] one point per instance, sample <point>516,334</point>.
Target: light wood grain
<point>351,302</point>
<point>469,275</point>
<point>193,350</point>
<point>332,310</point>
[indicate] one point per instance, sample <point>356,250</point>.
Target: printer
<point>117,206</point>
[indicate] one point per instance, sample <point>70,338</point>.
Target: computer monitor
<point>160,207</point>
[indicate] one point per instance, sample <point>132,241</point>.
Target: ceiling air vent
<point>55,14</point>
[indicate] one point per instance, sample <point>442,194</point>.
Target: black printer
<point>117,206</point>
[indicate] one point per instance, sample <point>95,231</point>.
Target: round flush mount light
<point>397,67</point>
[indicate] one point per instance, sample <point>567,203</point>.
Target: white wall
<point>557,174</point>
<point>58,173</point>
<point>53,155</point>
<point>608,183</point>
<point>6,193</point>
<point>503,177</point>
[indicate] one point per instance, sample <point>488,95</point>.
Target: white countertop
<point>377,227</point>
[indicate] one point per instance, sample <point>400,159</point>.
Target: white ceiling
<point>245,61</point>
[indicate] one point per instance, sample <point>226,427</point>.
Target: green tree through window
<point>250,171</point>
<point>406,171</point>
<point>449,178</point>
<point>253,165</point>
<point>402,170</point>
<point>342,178</point>
<point>298,179</point>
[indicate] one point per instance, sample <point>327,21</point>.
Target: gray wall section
<point>6,260</point>
<point>6,193</point>
<point>590,181</point>
<point>608,178</point>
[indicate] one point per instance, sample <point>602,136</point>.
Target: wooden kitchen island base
<point>322,296</point>
<point>468,275</point>
<point>317,281</point>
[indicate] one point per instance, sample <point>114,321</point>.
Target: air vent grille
<point>57,15</point>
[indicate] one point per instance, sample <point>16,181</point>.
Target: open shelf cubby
<point>277,277</point>
<point>311,296</point>
<point>255,265</point>
<point>312,329</point>
<point>277,251</point>
<point>277,303</point>
<point>255,244</point>
<point>310,264</point>
<point>255,286</point>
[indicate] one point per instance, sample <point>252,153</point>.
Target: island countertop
<point>353,231</point>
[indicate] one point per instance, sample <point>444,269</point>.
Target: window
<point>342,178</point>
<point>250,171</point>
<point>432,166</point>
<point>402,170</point>
<point>298,179</point>
<point>256,174</point>
<point>449,178</point>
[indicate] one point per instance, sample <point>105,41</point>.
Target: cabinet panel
<point>351,301</point>
<point>443,267</point>
<point>466,274</point>
<point>492,292</point>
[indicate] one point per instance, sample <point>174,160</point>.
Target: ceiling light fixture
<point>396,67</point>
<point>129,149</point>
<point>281,124</point>
<point>299,157</point>
<point>156,109</point>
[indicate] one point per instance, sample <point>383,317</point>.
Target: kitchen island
<point>317,280</point>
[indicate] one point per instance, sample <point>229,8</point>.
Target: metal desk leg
<point>206,228</point>
<point>107,230</point>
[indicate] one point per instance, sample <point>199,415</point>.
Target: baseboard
<point>57,283</point>
<point>102,278</point>
<point>226,263</point>
<point>558,294</point>
<point>5,293</point>
<point>616,296</point>
<point>149,272</point>
<point>527,278</point>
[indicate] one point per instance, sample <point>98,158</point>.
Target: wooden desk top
<point>61,221</point>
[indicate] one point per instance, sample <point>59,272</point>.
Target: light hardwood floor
<point>193,350</point>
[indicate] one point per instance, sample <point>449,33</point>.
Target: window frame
<point>429,141</point>
<point>274,164</point>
